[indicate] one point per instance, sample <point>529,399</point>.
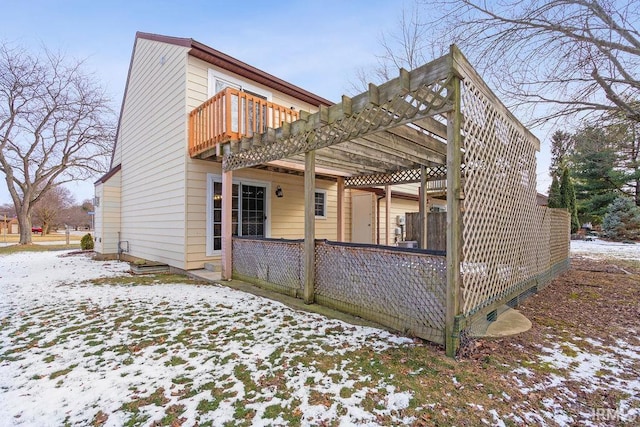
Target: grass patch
<point>99,419</point>
<point>568,351</point>
<point>182,380</point>
<point>7,250</point>
<point>205,406</point>
<point>346,392</point>
<point>144,280</point>
<point>61,372</point>
<point>272,411</point>
<point>174,361</point>
<point>156,398</point>
<point>172,416</point>
<point>243,416</point>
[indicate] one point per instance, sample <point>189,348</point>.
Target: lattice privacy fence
<point>511,247</point>
<point>276,263</point>
<point>500,231</point>
<point>400,288</point>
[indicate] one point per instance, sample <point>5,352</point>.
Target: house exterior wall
<point>286,214</point>
<point>398,208</point>
<point>151,148</point>
<point>107,215</point>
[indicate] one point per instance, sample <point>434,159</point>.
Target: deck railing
<point>230,115</point>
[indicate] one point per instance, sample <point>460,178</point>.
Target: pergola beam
<point>414,95</point>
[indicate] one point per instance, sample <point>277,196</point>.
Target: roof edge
<point>104,178</point>
<point>215,57</point>
<point>179,41</point>
<point>227,62</point>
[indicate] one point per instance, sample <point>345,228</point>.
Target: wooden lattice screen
<point>501,226</point>
<point>510,245</point>
<point>403,289</point>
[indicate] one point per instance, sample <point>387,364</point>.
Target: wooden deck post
<point>454,221</point>
<point>387,201</point>
<point>422,208</point>
<point>309,226</point>
<point>227,195</point>
<point>340,213</point>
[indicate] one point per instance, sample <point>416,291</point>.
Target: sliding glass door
<point>248,211</point>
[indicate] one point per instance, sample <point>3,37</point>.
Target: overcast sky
<point>315,45</point>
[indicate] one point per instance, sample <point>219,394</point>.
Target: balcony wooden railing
<point>230,115</point>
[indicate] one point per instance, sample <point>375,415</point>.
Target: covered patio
<point>437,125</point>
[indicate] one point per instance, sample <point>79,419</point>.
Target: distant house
<point>9,226</point>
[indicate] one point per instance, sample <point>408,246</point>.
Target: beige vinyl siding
<point>152,149</point>
<point>107,215</point>
<point>197,86</point>
<point>346,203</point>
<point>285,215</point>
<point>284,222</point>
<point>413,188</point>
<point>398,207</point>
<point>98,219</point>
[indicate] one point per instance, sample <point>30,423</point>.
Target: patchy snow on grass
<point>598,368</point>
<point>599,249</point>
<point>80,353</point>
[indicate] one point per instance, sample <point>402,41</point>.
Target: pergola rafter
<point>372,116</point>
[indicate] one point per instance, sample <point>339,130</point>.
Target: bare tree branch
<point>575,56</point>
<point>55,126</point>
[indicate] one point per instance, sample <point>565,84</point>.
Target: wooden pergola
<point>406,130</point>
<point>437,122</point>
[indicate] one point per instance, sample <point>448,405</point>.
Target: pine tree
<point>554,193</point>
<point>568,199</point>
<point>561,147</point>
<point>622,220</point>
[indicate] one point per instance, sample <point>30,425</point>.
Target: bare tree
<point>7,209</point>
<point>50,207</point>
<point>572,56</point>
<point>77,216</point>
<point>409,46</point>
<point>55,126</point>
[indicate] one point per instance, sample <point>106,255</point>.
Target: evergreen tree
<point>622,220</point>
<point>568,199</point>
<point>554,193</point>
<point>561,147</point>
<point>597,179</point>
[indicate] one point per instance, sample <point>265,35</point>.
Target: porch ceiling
<point>398,126</point>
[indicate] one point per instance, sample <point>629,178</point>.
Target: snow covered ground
<point>599,249</point>
<point>81,353</point>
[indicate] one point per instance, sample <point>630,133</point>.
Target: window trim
<point>211,179</point>
<point>324,207</point>
<point>214,75</point>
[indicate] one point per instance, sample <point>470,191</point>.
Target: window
<point>321,204</point>
<point>218,82</point>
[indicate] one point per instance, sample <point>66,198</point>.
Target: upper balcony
<point>230,115</point>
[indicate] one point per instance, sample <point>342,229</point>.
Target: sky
<point>318,46</point>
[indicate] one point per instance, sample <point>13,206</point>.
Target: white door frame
<point>211,178</point>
